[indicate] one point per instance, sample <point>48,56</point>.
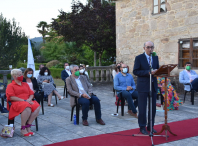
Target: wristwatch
<point>24,100</point>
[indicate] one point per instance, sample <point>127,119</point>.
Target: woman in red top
<point>20,95</point>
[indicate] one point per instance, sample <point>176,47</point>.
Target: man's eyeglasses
<point>148,47</point>
<point>76,69</point>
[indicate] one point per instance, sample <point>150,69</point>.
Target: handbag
<point>7,131</point>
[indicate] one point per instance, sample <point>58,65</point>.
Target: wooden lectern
<point>164,71</point>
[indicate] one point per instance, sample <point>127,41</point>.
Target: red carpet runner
<point>183,129</point>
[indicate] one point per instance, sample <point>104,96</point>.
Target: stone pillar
<point>5,80</point>
<point>107,75</point>
<point>91,77</point>
<point>97,75</point>
<point>102,75</point>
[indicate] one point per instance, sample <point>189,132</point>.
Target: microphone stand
<point>150,105</point>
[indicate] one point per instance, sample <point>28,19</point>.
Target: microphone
<point>154,54</point>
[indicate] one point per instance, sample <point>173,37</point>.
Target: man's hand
<point>129,88</point>
<point>45,81</point>
<point>153,72</point>
<point>85,96</point>
<point>191,81</point>
<point>29,101</point>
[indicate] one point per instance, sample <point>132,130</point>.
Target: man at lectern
<point>143,63</point>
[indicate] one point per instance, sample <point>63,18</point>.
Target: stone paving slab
<point>55,125</point>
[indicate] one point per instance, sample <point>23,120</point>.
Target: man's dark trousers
<point>129,97</point>
<point>194,84</point>
<point>85,106</point>
<point>142,104</point>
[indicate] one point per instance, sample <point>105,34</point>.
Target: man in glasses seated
<point>78,86</point>
<point>125,86</point>
<point>189,76</point>
<point>146,64</point>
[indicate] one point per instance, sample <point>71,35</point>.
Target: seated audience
<point>3,109</point>
<point>116,70</point>
<point>85,70</point>
<point>36,73</point>
<point>189,76</point>
<point>66,72</point>
<point>47,81</point>
<point>79,87</point>
<point>124,83</point>
<point>20,95</point>
<point>32,82</point>
<point>173,101</point>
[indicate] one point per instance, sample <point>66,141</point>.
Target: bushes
<point>8,76</point>
<point>19,65</point>
<point>52,63</point>
<point>56,72</point>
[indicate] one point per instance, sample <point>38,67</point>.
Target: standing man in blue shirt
<point>124,83</point>
<point>143,63</point>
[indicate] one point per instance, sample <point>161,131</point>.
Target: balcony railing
<point>100,73</point>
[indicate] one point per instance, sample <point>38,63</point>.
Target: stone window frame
<point>191,50</point>
<point>159,6</point>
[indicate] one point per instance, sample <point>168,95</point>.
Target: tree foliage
<point>92,24</point>
<point>43,31</point>
<point>62,51</point>
<point>11,41</point>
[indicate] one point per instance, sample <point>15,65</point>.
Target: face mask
<point>82,71</point>
<point>67,67</point>
<point>188,67</point>
<point>125,70</point>
<point>29,75</point>
<point>77,73</point>
<point>45,73</point>
<point>20,78</point>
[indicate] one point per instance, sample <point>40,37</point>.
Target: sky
<point>28,13</point>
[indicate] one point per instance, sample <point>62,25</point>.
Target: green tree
<point>24,52</point>
<point>11,41</point>
<point>43,31</point>
<point>62,51</point>
<point>92,24</point>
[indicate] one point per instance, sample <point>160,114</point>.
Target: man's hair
<point>43,70</point>
<point>122,64</point>
<point>41,65</point>
<point>148,42</point>
<point>26,71</point>
<point>66,62</point>
<point>187,63</point>
<point>80,66</point>
<point>71,67</point>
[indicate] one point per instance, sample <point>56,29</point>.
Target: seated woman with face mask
<point>20,95</point>
<point>47,81</point>
<point>32,82</point>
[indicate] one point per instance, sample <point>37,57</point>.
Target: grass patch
<point>59,82</point>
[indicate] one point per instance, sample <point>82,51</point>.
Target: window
<point>159,6</point>
<point>188,52</point>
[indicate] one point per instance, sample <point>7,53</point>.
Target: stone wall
<point>135,24</point>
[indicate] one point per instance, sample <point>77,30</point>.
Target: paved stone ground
<point>55,125</point>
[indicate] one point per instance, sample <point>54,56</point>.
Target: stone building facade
<point>136,23</point>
